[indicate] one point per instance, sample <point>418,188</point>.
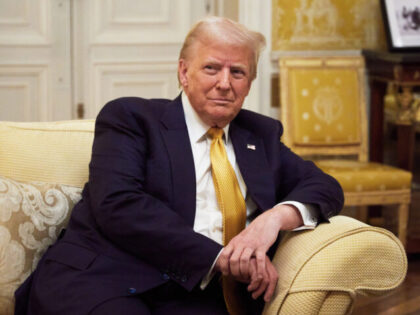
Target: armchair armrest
<point>322,270</point>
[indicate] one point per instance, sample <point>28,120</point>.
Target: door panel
<point>129,48</point>
<point>57,54</point>
<point>35,60</point>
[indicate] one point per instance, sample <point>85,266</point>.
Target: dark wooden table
<point>403,70</point>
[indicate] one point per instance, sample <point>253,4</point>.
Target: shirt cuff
<point>308,212</point>
<point>207,278</point>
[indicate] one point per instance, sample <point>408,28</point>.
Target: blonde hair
<point>220,29</point>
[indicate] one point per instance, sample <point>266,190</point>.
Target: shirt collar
<point>197,129</point>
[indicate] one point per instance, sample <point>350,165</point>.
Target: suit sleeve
<point>126,214</point>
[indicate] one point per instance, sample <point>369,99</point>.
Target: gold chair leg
<point>362,213</point>
<point>403,222</point>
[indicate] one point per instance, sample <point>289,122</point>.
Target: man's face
<point>216,78</point>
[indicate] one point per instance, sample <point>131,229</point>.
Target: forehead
<point>221,52</point>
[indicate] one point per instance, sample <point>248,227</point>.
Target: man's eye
<point>210,68</point>
<point>238,72</point>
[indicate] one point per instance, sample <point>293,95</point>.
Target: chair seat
<point>355,176</point>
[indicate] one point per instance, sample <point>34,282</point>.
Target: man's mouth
<point>221,101</point>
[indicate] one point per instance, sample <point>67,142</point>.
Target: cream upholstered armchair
<point>43,167</point>
<point>323,111</point>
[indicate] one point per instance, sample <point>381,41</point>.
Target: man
<point>171,185</point>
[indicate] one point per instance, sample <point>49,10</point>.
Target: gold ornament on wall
<point>327,25</point>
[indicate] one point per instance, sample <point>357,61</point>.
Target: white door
<point>129,48</point>
<point>55,54</point>
<point>35,80</point>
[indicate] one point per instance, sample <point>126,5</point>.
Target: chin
<point>222,119</point>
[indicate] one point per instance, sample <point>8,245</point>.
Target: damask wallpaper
<point>327,25</point>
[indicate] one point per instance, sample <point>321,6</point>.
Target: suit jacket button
<point>132,290</point>
<point>184,279</point>
<point>165,276</point>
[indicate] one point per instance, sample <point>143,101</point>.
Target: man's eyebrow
<point>239,65</point>
<point>213,61</point>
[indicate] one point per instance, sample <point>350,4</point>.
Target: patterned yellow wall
<point>327,25</point>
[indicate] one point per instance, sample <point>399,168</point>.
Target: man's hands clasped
<point>245,257</point>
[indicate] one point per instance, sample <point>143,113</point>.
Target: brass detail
<point>80,111</point>
<point>416,75</point>
<point>407,106</point>
<point>397,72</point>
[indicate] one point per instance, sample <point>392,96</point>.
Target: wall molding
<point>256,15</point>
<point>106,28</point>
<point>35,98</point>
<point>31,29</point>
<point>108,75</point>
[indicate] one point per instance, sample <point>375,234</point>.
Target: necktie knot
<point>215,133</point>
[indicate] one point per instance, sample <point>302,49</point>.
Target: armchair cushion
<point>355,176</point>
<point>321,271</point>
<point>31,217</point>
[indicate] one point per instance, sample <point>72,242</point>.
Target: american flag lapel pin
<point>250,147</point>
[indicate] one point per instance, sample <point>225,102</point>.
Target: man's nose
<point>224,79</point>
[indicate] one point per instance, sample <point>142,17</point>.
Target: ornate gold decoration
<point>327,104</point>
<point>407,106</point>
<point>327,25</point>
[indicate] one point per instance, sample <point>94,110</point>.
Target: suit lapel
<point>250,156</point>
<point>175,134</point>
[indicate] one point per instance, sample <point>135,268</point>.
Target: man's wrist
<point>288,216</point>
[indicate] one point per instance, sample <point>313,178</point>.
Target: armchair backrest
<point>323,107</point>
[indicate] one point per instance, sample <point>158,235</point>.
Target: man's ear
<point>182,72</point>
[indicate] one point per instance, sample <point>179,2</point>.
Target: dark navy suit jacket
<point>133,228</point>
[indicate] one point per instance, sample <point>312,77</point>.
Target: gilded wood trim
<point>377,197</point>
<point>326,150</point>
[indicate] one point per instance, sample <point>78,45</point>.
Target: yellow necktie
<point>232,205</point>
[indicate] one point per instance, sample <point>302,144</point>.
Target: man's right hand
<point>267,284</point>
